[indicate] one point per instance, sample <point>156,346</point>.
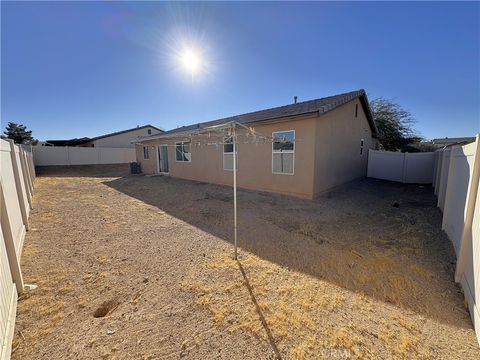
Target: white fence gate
<point>17,178</point>
<point>402,167</point>
<point>65,155</point>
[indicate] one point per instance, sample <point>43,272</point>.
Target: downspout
<point>467,228</point>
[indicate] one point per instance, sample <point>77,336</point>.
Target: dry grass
<point>348,276</point>
<point>104,260</point>
<point>295,307</point>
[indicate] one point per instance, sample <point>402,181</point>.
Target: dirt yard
<point>139,267</point>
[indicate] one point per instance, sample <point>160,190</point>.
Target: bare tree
<point>394,123</point>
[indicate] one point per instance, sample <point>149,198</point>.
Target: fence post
<point>26,178</point>
<point>443,178</point>
<point>435,166</point>
<point>32,165</point>
<point>439,171</point>
<point>449,186</point>
<point>27,170</point>
<point>30,168</point>
<point>18,182</point>
<point>470,211</point>
<point>13,259</point>
<point>404,169</point>
<point>68,155</point>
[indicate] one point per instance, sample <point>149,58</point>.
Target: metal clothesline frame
<point>226,129</point>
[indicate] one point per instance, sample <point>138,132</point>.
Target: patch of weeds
<point>344,339</point>
<point>50,308</point>
<point>31,250</point>
<point>67,288</point>
<point>423,272</point>
<point>104,260</point>
<point>82,303</point>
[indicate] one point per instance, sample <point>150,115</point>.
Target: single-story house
<point>442,142</point>
<point>118,139</point>
<point>325,144</point>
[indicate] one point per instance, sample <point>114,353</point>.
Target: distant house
<point>442,142</point>
<point>119,139</point>
<point>325,144</point>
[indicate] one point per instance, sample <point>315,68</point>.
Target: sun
<point>191,61</point>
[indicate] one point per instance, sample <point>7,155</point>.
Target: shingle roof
<point>70,142</point>
<point>454,140</point>
<point>125,131</point>
<point>320,106</point>
<point>83,140</point>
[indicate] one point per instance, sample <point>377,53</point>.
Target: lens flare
<point>190,55</point>
<point>190,61</point>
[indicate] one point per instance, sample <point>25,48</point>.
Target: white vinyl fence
<point>454,173</point>
<point>17,177</point>
<point>66,155</point>
<point>456,182</point>
<point>402,167</point>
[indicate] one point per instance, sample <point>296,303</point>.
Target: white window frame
<point>284,152</point>
<point>183,142</point>
<point>148,153</point>
<point>362,147</point>
<point>228,153</point>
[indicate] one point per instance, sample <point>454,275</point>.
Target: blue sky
<point>85,69</point>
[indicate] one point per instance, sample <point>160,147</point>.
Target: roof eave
<point>175,134</point>
<point>187,133</point>
<point>126,131</point>
<point>366,104</point>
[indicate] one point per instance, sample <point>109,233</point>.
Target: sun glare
<point>189,56</point>
<point>190,61</point>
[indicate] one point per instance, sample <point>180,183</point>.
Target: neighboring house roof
<point>125,131</point>
<point>79,141</point>
<point>446,141</point>
<point>320,106</point>
<point>71,142</point>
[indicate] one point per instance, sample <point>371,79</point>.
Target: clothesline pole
<point>234,138</point>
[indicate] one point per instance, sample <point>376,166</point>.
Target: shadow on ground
<point>100,171</point>
<point>378,238</point>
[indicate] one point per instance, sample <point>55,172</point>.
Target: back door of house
<point>163,159</point>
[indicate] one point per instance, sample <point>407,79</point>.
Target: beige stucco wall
<point>326,155</point>
<point>148,166</point>
<point>337,146</point>
<point>254,161</point>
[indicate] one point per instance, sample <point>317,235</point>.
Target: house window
<point>149,131</point>
<point>283,152</point>
<point>356,110</point>
<point>146,155</point>
<point>182,151</point>
<point>361,147</point>
<point>228,154</point>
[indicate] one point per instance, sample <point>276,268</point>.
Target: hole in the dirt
<point>104,309</point>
